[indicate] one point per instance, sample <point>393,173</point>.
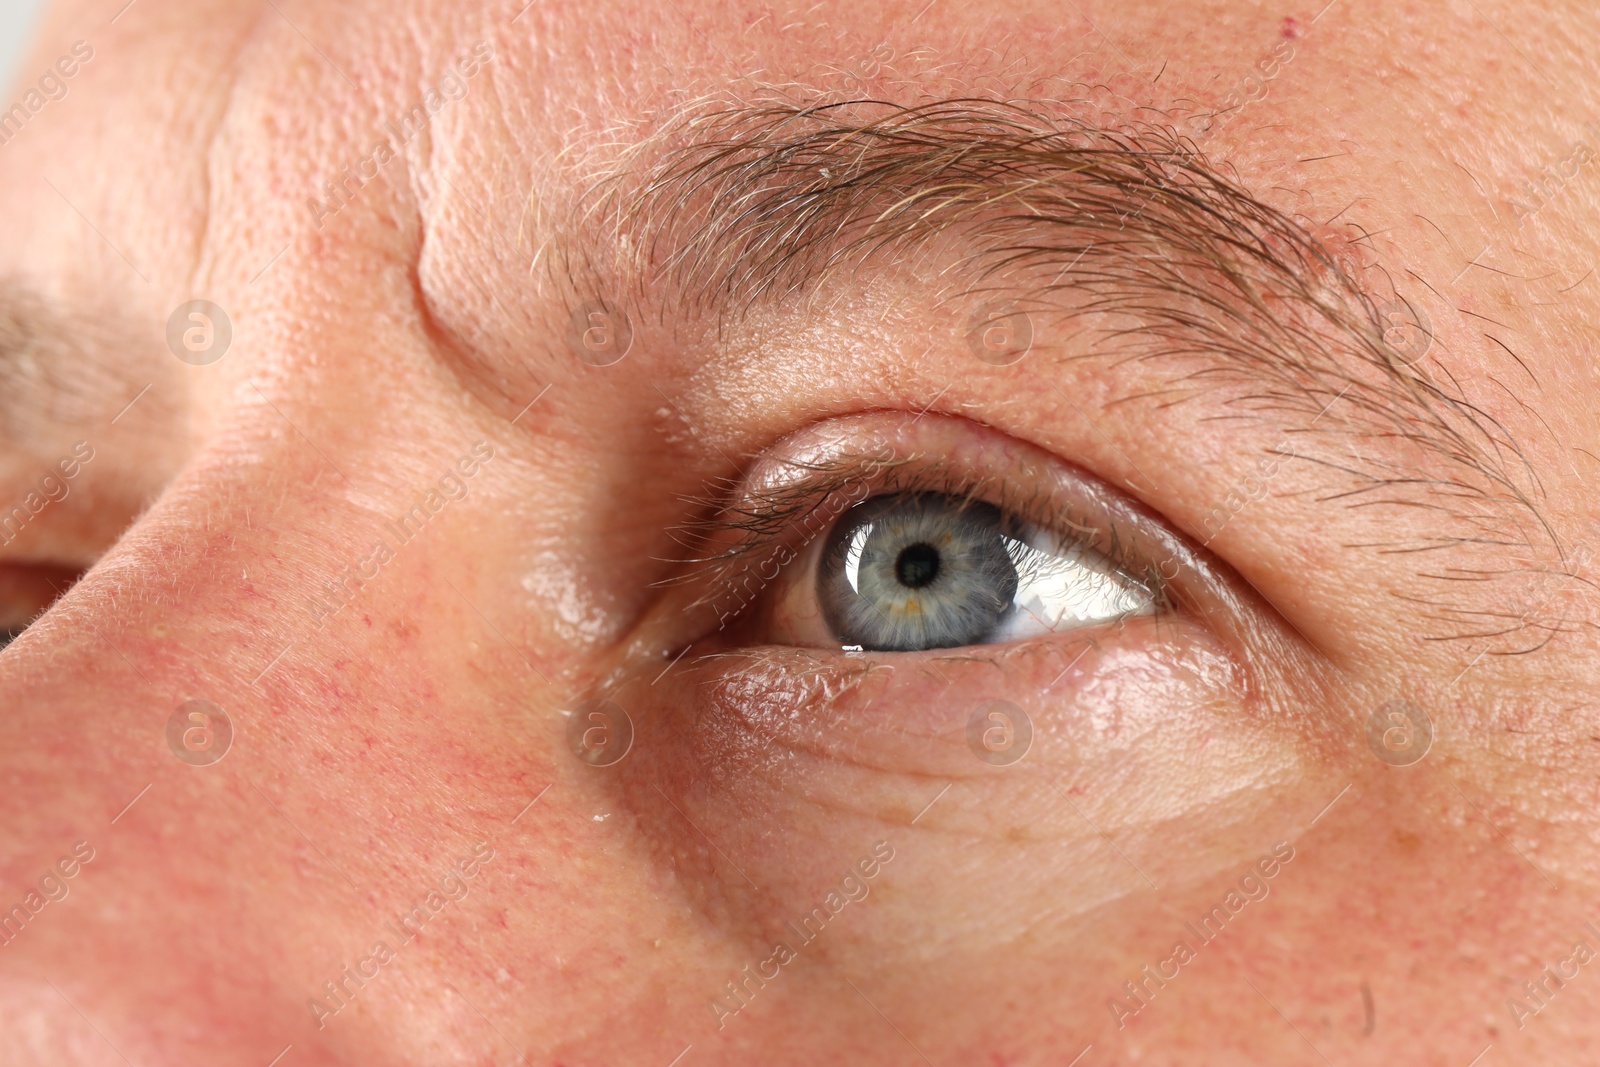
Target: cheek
<point>1143,733</point>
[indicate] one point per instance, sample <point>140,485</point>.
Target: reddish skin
<point>425,716</point>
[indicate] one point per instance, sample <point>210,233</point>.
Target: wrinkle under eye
<point>912,571</point>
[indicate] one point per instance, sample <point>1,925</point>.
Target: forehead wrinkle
<point>726,206</point>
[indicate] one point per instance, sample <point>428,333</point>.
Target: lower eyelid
<point>907,712</point>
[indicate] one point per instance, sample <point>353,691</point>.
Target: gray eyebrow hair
<point>44,381</point>
<point>730,205</point>
<point>53,368</point>
<point>63,370</point>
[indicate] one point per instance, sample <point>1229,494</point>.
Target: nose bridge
<point>284,577</point>
<point>183,605</point>
<point>223,704</point>
<point>261,549</point>
<point>138,720</point>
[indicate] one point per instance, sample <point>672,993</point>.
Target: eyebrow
<point>57,372</point>
<point>726,207</point>
<point>42,378</point>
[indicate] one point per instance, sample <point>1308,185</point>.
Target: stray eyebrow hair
<point>1131,228</point>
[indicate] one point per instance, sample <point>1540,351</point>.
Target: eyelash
<point>765,524</point>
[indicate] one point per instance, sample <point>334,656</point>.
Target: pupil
<point>917,566</point>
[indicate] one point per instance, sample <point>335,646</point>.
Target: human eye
<point>876,538</point>
<point>916,570</point>
<point>871,593</point>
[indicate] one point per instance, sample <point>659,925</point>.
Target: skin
<point>375,748</point>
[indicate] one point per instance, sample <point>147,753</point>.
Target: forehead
<point>1451,146</point>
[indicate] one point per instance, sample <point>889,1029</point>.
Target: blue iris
<point>910,571</point>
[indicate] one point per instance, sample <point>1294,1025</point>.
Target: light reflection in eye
<point>1064,586</point>
<point>913,571</point>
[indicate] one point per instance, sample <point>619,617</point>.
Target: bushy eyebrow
<point>1132,227</point>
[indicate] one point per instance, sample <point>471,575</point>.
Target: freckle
<point>1407,841</point>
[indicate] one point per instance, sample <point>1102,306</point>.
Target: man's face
<point>621,534</point>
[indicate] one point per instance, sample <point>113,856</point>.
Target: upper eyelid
<point>759,518</point>
<point>763,520</point>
